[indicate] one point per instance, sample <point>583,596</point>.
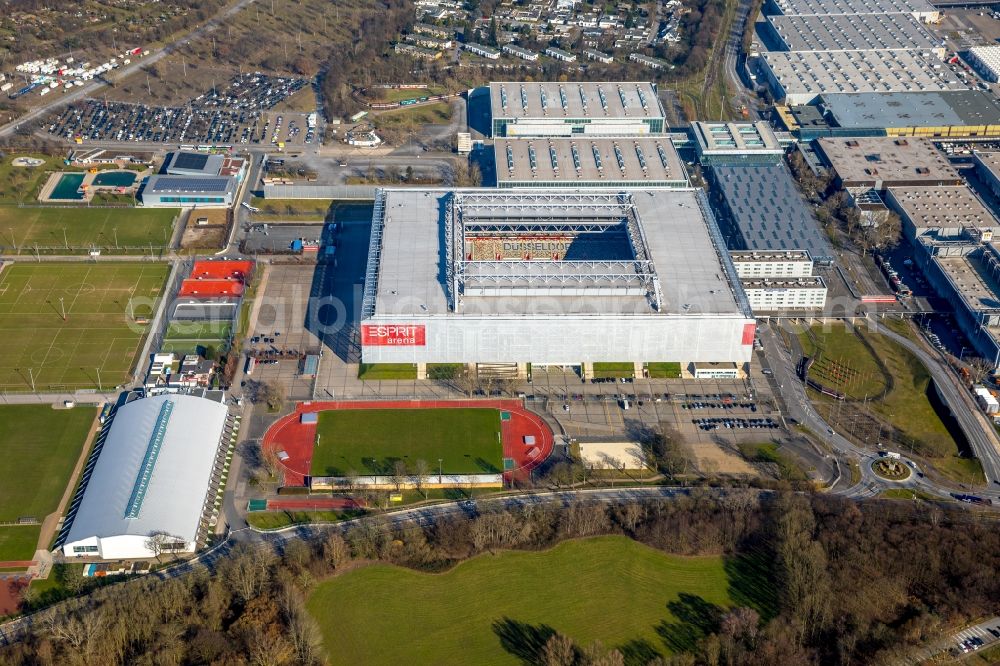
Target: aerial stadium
<point>550,277</point>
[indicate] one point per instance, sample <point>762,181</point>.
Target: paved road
<point>126,71</point>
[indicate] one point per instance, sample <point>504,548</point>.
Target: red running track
<point>222,270</point>
<point>210,288</point>
<point>296,439</point>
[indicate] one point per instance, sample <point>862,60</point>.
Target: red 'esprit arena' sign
<point>393,335</point>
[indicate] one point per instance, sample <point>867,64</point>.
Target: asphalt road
<point>123,72</point>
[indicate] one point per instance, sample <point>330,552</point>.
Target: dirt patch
<point>604,455</point>
<point>711,458</point>
<point>205,229</point>
<point>11,590</point>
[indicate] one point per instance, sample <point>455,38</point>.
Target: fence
<point>380,482</point>
<point>361,192</point>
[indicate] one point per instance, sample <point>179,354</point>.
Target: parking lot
<point>234,114</point>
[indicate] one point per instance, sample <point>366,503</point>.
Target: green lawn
<point>98,332</point>
<point>19,543</point>
<point>614,369</point>
<point>377,371</point>
<point>23,183</point>
<point>135,229</point>
<point>370,441</point>
<point>197,330</point>
<point>842,361</point>
<point>664,370</point>
<point>270,520</point>
<point>499,609</point>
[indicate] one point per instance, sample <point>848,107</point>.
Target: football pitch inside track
<point>95,343</point>
<point>370,441</point>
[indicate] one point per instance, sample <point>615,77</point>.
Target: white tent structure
<point>152,478</point>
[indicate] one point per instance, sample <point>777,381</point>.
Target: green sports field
<point>370,441</point>
<point>187,337</point>
<point>39,447</point>
<point>135,229</point>
<point>97,332</point>
<point>494,609</point>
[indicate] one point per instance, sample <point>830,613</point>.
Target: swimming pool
<point>68,187</point>
<point>115,179</point>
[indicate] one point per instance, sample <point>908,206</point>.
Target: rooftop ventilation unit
<point>620,158</point>
<point>562,99</point>
<point>583,98</point>
<point>576,158</point>
<point>663,157</point>
<point>503,98</point>
<point>524,99</point>
<point>604,99</point>
<point>510,159</point>
<point>554,158</point>
<point>642,158</point>
<point>532,159</point>
<point>597,157</point>
<point>642,98</point>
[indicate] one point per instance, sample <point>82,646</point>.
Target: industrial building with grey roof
<point>882,162</point>
<point>921,9</point>
<point>553,109</point>
<point>763,209</point>
<point>800,77</point>
<point>955,113</point>
<point>842,32</point>
<point>584,162</point>
<point>941,213</point>
<point>550,277</point>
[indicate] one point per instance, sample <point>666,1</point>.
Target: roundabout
<point>891,469</point>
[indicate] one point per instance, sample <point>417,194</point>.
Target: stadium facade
<point>569,109</point>
<point>153,476</point>
<point>550,277</point>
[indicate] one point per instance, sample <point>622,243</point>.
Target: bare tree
<point>559,650</point>
<point>157,542</point>
<point>398,475</point>
<point>248,570</point>
<point>979,369</point>
<point>420,471</point>
<point>336,552</point>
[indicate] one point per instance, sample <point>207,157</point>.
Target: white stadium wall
<point>564,339</point>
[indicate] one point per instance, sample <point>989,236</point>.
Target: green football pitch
<point>370,441</point>
<point>76,230</point>
<point>39,447</point>
<point>97,342</point>
<point>500,609</point>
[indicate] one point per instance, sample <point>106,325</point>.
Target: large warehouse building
<point>586,162</point>
<point>550,277</point>
<point>568,109</point>
<point>152,477</point>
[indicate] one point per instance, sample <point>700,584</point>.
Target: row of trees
<point>816,580</point>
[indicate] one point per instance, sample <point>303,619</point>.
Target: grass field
<point>842,361</point>
<point>411,117</point>
<point>377,371</point>
<point>97,333</point>
<point>664,370</point>
<point>39,447</point>
<point>767,452</point>
<point>196,337</point>
<point>298,210</point>
<point>614,369</point>
<point>135,229</point>
<point>497,609</point>
<point>370,441</point>
<point>19,542</point>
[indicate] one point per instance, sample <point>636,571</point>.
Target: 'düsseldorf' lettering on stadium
<point>393,335</point>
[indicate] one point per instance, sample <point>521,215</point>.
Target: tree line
<point>815,579</point>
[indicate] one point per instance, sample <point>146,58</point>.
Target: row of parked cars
<point>735,424</point>
<point>719,405</point>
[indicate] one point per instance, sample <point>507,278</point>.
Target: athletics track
<point>296,439</point>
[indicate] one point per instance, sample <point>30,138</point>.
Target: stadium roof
<point>195,164</point>
<point>767,211</point>
<point>153,471</point>
<point>160,184</point>
<point>574,100</point>
<point>912,109</point>
<point>846,33</point>
<point>652,160</point>
<point>412,278</point>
